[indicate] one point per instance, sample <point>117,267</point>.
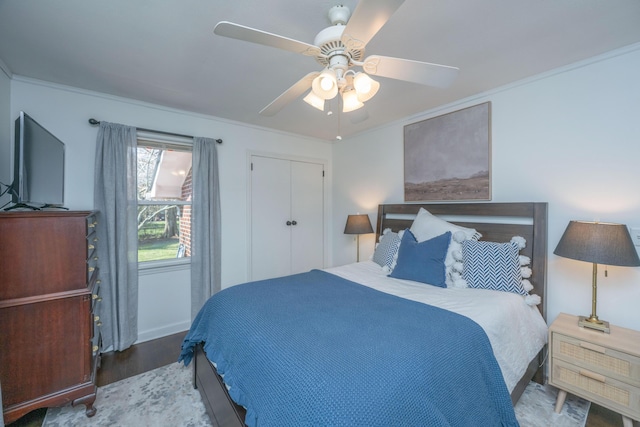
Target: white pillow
<point>427,226</point>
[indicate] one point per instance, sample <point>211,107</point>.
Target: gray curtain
<point>115,199</point>
<point>205,224</point>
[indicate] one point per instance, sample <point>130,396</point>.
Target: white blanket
<point>516,331</point>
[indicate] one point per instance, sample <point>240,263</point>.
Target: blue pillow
<point>424,261</point>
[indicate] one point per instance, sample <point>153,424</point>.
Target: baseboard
<point>165,330</point>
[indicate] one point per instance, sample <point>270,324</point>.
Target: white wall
<point>64,111</point>
<point>570,138</point>
<point>5,132</point>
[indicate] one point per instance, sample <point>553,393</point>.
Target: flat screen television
<point>38,168</point>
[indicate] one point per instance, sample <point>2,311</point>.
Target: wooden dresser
<point>49,296</point>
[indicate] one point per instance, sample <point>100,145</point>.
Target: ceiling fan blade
<point>289,95</point>
<point>240,32</point>
<point>423,73</point>
<point>366,20</point>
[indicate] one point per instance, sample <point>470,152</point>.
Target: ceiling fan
<point>339,48</point>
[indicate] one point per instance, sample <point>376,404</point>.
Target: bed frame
<point>498,222</point>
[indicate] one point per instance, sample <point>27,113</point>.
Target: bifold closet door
<point>270,211</point>
<point>287,217</point>
<point>307,209</point>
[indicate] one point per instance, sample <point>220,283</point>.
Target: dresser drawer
<point>610,363</point>
<point>92,254</point>
<point>92,240</point>
<point>96,343</point>
<point>42,253</point>
<point>92,267</point>
<point>96,325</point>
<point>96,299</point>
<point>617,395</point>
<point>92,222</point>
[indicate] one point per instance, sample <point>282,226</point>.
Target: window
<point>164,201</point>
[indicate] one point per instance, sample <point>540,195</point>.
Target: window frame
<point>163,142</point>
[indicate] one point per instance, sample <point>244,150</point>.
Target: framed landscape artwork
<point>448,158</point>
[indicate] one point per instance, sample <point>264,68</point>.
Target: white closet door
<point>307,210</point>
<point>270,211</point>
<point>287,217</point>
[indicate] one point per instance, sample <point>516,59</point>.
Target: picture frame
<point>448,157</point>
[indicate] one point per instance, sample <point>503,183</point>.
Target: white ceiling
<point>165,52</point>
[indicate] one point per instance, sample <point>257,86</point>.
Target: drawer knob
<point>91,247</point>
<point>96,318</point>
<point>94,296</point>
<point>95,349</point>
<point>91,269</point>
<point>95,258</point>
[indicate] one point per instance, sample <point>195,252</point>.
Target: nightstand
<point>603,368</point>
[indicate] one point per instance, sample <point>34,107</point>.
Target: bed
<point>496,222</point>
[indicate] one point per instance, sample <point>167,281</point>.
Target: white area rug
<point>162,397</point>
<point>536,408</point>
<point>166,397</point>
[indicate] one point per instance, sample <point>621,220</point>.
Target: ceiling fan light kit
<point>338,48</point>
<point>355,90</point>
<point>365,86</point>
<point>350,101</point>
<point>325,86</point>
<point>314,100</point>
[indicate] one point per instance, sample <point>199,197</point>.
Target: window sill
<point>155,267</point>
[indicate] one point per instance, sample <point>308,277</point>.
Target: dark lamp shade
<point>358,224</point>
<point>598,242</point>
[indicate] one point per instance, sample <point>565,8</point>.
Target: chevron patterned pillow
<point>491,265</point>
<point>386,250</point>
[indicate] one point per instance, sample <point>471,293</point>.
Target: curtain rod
<point>94,122</point>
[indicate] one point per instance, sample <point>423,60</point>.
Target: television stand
<point>22,206</point>
<point>53,207</point>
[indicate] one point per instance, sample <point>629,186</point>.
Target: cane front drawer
<point>611,363</point>
<point>611,393</point>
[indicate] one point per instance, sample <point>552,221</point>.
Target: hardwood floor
<point>139,358</point>
<point>149,355</point>
<point>116,366</point>
<point>602,417</point>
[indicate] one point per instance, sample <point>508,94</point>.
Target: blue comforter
<point>314,349</point>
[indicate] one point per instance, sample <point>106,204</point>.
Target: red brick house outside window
<point>185,219</point>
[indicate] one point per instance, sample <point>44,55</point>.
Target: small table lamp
<point>599,243</point>
<point>358,224</point>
